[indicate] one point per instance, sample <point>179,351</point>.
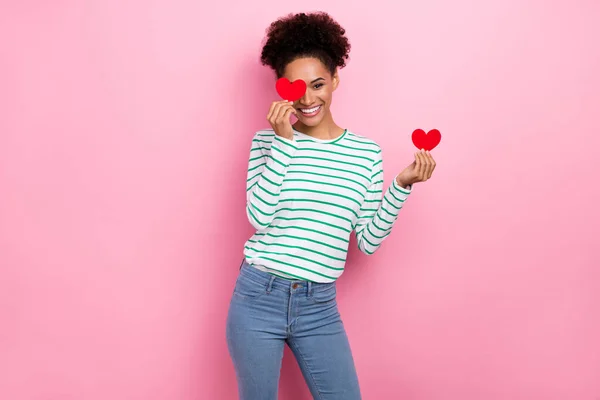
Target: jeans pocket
<point>248,289</point>
<point>324,296</point>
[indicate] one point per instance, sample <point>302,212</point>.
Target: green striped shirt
<point>306,196</point>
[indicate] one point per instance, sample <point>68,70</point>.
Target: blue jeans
<point>265,313</point>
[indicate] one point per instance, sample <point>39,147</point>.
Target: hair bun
<point>305,35</point>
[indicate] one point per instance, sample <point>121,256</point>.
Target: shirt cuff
<point>400,189</point>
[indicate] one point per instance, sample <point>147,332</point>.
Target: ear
<point>335,79</point>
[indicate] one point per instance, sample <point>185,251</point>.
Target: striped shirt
<point>306,196</point>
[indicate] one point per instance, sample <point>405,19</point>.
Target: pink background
<point>125,128</point>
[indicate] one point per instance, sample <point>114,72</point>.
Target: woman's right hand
<point>279,118</point>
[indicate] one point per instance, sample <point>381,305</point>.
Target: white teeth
<point>309,110</point>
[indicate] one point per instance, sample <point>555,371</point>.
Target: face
<point>314,107</point>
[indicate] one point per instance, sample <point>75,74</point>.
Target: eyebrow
<point>317,80</point>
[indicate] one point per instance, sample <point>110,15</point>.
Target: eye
<point>318,86</point>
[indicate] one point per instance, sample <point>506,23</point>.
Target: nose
<point>307,99</point>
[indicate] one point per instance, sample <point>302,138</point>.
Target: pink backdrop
<point>125,128</point>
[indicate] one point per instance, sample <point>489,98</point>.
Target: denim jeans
<point>267,312</point>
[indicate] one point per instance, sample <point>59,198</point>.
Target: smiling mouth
<point>310,112</point>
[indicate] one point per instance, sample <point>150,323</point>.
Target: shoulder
<point>263,138</point>
<point>362,142</point>
<point>265,134</point>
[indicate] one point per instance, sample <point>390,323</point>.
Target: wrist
<point>401,183</point>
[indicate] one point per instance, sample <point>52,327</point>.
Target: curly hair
<point>305,35</point>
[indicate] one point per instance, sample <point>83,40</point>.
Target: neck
<point>326,130</point>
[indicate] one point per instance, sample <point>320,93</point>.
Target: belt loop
<point>270,286</point>
<point>309,289</point>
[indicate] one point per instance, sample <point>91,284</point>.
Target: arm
<point>377,214</point>
<point>266,170</point>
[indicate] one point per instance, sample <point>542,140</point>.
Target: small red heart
<point>290,91</point>
<point>426,141</point>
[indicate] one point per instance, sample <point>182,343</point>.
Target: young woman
<point>309,187</point>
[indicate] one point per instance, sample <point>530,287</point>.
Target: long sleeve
<point>267,167</point>
<point>378,214</point>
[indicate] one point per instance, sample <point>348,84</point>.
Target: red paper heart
<point>290,91</point>
<point>427,140</point>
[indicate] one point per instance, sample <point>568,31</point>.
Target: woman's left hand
<point>419,171</point>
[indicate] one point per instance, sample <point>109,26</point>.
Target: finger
<point>288,112</point>
<point>427,165</point>
<point>423,169</point>
<point>294,111</point>
<point>417,165</point>
<point>431,163</point>
<point>271,109</point>
<point>275,106</point>
<point>280,112</point>
<point>283,109</point>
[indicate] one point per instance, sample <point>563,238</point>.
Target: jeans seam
<point>307,368</point>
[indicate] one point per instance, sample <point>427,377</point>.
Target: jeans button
<point>295,286</point>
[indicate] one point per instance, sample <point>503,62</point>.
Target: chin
<point>311,121</point>
<point>315,121</point>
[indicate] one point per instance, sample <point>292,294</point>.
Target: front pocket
<point>248,289</point>
<point>325,296</point>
